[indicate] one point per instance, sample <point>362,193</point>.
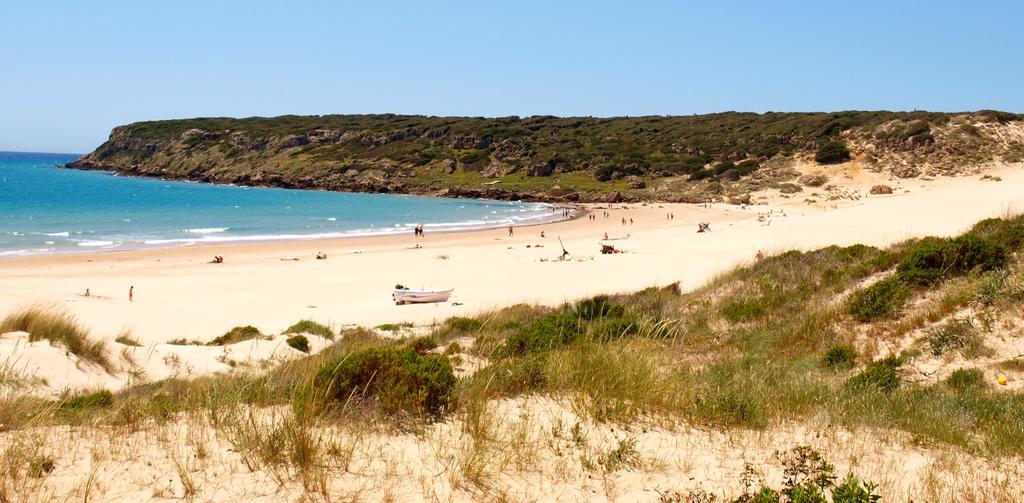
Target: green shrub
<point>99,399</point>
<point>600,306</point>
<point>1009,232</point>
<point>957,334</point>
<point>925,263</point>
<point>932,259</point>
<point>552,331</point>
<point>853,490</point>
<point>970,253</point>
<point>882,375</point>
<point>839,357</point>
<point>299,342</point>
<point>423,345</point>
<point>311,327</point>
<point>237,334</point>
<point>880,300</point>
<point>809,478</point>
<point>966,379</point>
<point>399,379</point>
<point>832,152</point>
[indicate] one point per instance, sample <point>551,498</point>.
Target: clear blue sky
<point>70,71</point>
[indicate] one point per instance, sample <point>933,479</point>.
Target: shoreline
<point>578,212</point>
<point>179,294</point>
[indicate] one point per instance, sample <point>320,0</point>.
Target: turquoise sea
<point>46,209</point>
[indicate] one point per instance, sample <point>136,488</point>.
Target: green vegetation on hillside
<point>540,156</point>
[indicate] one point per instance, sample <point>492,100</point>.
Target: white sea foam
<point>207,230</point>
<point>57,234</point>
<point>95,244</point>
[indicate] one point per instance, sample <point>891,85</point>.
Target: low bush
<point>832,152</point>
<point>966,379</point>
<point>237,334</point>
<point>880,300</point>
<point>423,345</point>
<point>932,259</point>
<point>299,342</point>
<point>839,357</point>
<point>311,327</point>
<point>400,380</point>
<point>925,263</point>
<point>1009,231</point>
<point>809,478</point>
<point>881,375</point>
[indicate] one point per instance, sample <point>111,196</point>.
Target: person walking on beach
<point>131,293</point>
<point>510,231</point>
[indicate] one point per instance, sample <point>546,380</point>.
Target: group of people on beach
<point>418,231</point>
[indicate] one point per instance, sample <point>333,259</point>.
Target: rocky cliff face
<point>548,158</point>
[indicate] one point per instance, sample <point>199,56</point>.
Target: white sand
<point>179,295</point>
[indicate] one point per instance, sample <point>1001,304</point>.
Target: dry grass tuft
<point>58,327</point>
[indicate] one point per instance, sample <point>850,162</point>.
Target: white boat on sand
<point>403,295</point>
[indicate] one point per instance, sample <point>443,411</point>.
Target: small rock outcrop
<point>814,180</point>
<point>906,172</point>
<point>881,189</point>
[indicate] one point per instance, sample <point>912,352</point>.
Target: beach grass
<point>312,328</point>
<point>60,328</point>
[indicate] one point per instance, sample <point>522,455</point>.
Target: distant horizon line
<point>33,152</point>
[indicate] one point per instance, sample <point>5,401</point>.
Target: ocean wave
<point>28,251</point>
<point>207,230</point>
<point>95,244</point>
<point>57,234</point>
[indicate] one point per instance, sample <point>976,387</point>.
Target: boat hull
<point>420,296</point>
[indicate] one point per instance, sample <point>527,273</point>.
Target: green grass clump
<point>552,331</point>
<point>400,380</point>
<point>880,300</point>
<point>881,375</point>
<point>60,328</point>
<point>957,334</point>
<point>600,306</point>
<point>839,357</point>
<point>237,334</point>
<point>966,379</point>
<point>98,399</point>
<point>299,342</point>
<point>312,328</point>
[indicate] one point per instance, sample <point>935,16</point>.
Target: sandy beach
<point>178,294</point>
